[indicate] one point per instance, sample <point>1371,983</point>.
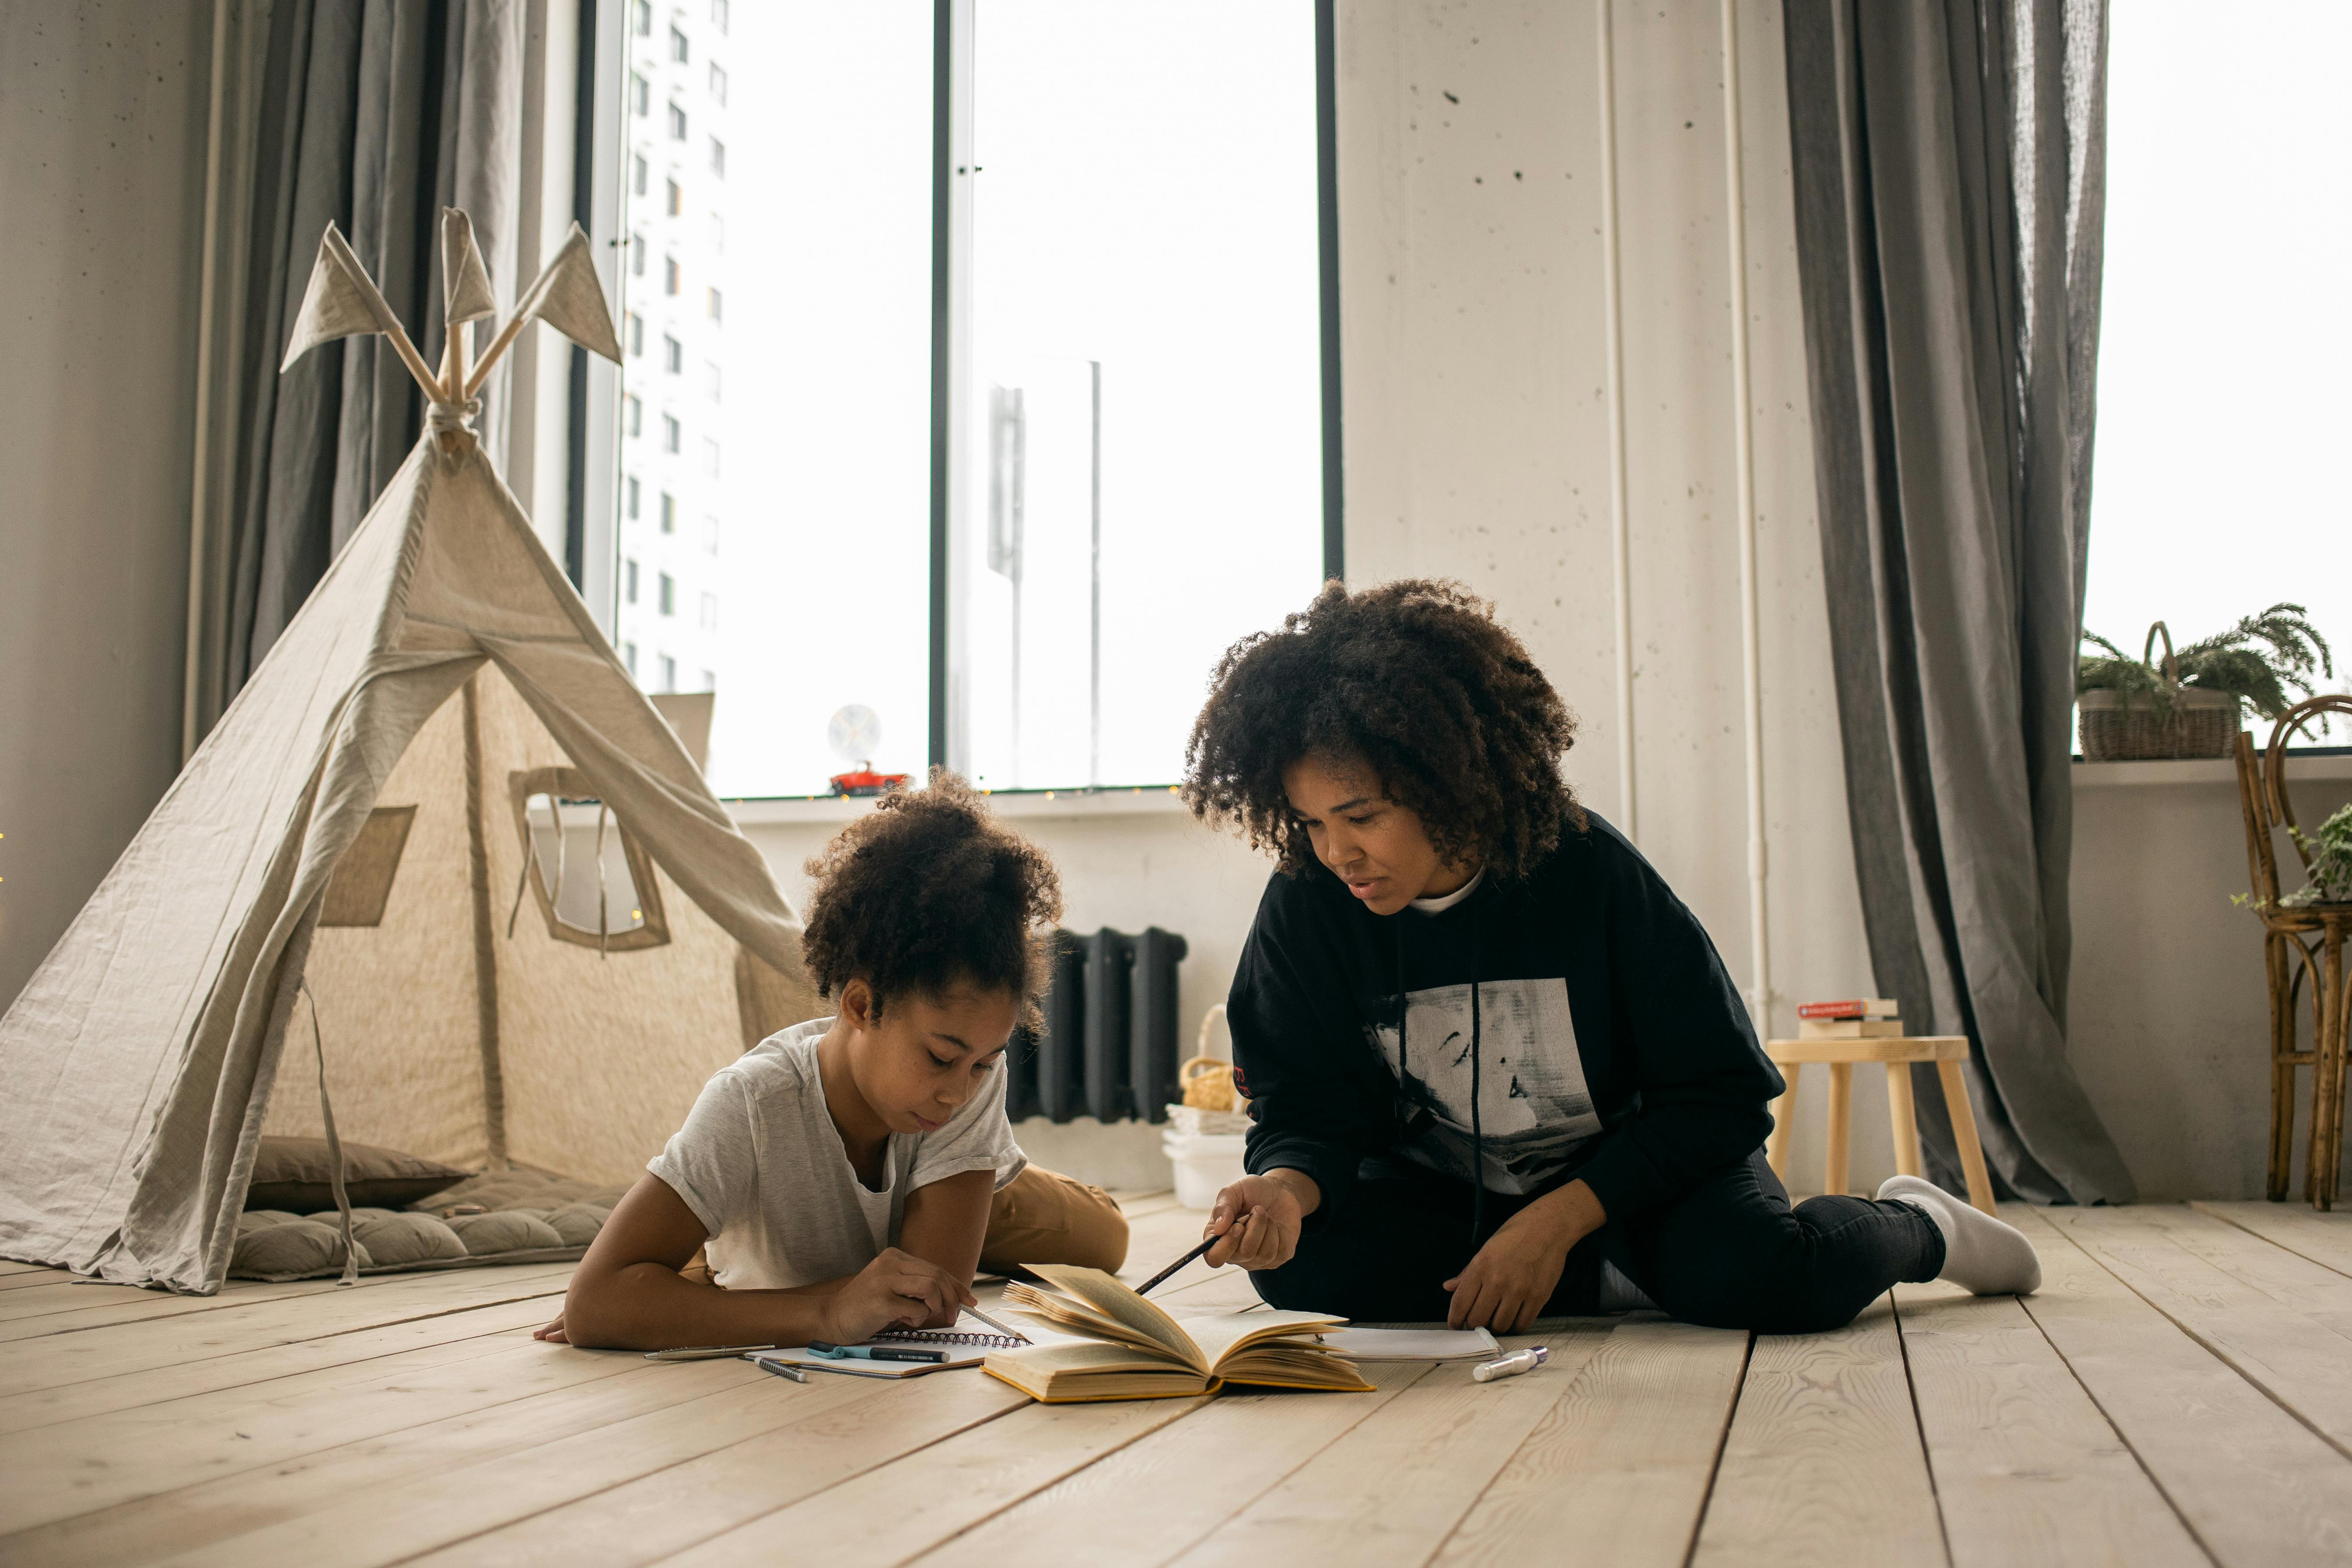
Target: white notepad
<point>1410,1345</point>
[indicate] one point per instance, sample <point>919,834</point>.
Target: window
<point>676,45</point>
<point>673,355</point>
<point>637,333</point>
<point>641,17</point>
<point>629,582</point>
<point>637,255</point>
<point>1113,339</point>
<point>2175,311</point>
<point>669,513</point>
<point>629,495</point>
<point>670,275</point>
<point>677,124</point>
<point>668,673</point>
<point>633,416</point>
<point>641,96</point>
<point>667,601</point>
<point>591,878</point>
<point>637,173</point>
<point>710,681</point>
<point>677,197</point>
<point>629,658</point>
<point>719,15</point>
<point>710,611</point>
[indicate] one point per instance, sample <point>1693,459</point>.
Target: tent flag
<point>441,719</point>
<point>465,282</point>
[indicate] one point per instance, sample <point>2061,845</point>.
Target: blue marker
<point>872,1353</point>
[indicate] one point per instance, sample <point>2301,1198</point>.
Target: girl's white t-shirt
<point>763,1168</point>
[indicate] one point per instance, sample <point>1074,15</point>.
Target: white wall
<point>102,120</point>
<point>2169,1015</point>
<point>1477,434</point>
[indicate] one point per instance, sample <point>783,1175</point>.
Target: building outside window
<point>673,355</point>
<point>633,416</point>
<point>637,333</point>
<point>1116,320</point>
<point>677,197</point>
<point>637,255</point>
<point>666,602</point>
<point>629,658</point>
<point>641,17</point>
<point>637,173</point>
<point>678,49</point>
<point>640,97</point>
<point>629,495</point>
<point>669,513</point>
<point>628,581</point>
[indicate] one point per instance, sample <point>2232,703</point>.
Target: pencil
<point>999,1327</point>
<point>1163,1276</point>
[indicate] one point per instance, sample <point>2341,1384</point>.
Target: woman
<point>1496,1067</point>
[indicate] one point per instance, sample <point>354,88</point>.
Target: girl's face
<point>1367,840</point>
<point>916,1061</point>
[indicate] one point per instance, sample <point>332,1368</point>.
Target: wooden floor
<point>2179,1391</point>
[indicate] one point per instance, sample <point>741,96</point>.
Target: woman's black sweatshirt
<point>1574,1024</point>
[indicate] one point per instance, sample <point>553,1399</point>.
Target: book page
<point>1412,1345</point>
<point>1122,1305</point>
<point>1220,1336</point>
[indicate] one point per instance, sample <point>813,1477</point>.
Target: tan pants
<point>1039,1216</point>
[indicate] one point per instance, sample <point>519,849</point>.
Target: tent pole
<point>486,967</point>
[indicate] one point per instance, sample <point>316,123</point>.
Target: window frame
<point>593,545</point>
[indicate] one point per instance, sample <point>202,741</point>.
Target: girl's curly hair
<point>1417,678</point>
<point>930,892</point>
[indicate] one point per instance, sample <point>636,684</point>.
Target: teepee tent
<point>440,848</point>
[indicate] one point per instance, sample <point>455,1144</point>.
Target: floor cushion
<point>497,1216</point>
<point>297,1176</point>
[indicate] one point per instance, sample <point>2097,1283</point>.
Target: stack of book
<point>1863,1018</point>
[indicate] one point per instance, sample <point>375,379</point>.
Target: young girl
<point>848,1174</point>
<point>1497,1069</point>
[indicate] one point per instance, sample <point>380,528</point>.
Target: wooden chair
<point>2299,946</point>
<point>1946,1051</point>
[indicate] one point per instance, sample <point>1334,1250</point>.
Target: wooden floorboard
<point>1823,1462</point>
<point>112,1351</point>
<point>1161,1494</point>
<point>2026,1469</point>
<point>1375,1495</point>
<point>2171,1396</point>
<point>2298,1361</point>
<point>2254,1484</point>
<point>1617,1470</point>
<point>2324,1239</point>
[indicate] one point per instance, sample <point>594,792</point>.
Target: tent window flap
<point>593,881</point>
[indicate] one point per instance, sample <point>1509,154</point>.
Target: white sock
<point>1987,1255</point>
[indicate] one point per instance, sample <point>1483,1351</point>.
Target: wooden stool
<point>1946,1051</point>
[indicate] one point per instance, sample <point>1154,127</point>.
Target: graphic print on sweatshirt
<point>1534,1107</point>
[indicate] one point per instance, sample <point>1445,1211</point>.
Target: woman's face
<point>917,1059</point>
<point>1367,840</point>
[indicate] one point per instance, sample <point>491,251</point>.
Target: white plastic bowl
<point>1205,1162</point>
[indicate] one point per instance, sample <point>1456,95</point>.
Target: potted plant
<point>2329,855</point>
<point>2186,705</point>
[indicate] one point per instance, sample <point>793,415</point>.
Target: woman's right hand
<point>1257,1219</point>
<point>898,1290</point>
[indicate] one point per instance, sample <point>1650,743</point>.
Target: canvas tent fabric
<point>441,669</point>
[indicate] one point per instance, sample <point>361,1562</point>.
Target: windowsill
<point>2222,771</point>
<point>1142,800</point>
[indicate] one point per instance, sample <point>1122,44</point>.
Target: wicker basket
<point>2200,724</point>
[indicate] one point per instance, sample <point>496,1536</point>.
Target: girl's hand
<point>898,1290</point>
<point>1513,1275</point>
<point>1258,1219</point>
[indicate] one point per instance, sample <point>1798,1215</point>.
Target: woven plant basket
<point>2200,724</point>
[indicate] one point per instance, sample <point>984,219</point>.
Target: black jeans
<point>1729,1253</point>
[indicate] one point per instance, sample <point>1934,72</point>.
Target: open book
<point>1132,1350</point>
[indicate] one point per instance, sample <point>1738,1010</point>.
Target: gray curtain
<point>374,115</point>
<point>1949,166</point>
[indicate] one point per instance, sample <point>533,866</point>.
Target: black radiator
<point>1109,1047</point>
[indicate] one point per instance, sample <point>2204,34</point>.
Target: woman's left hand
<point>1513,1275</point>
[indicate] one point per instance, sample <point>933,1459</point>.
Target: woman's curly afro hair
<point>1417,680</point>
<point>932,891</point>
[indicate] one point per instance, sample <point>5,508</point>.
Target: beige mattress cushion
<point>498,1216</point>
